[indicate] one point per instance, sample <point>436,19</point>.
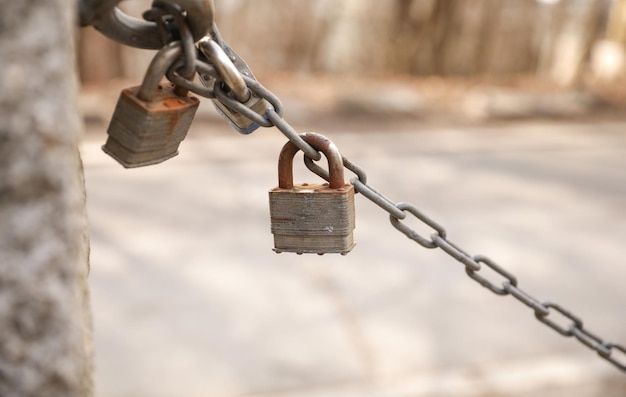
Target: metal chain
<point>182,73</point>
<point>438,239</point>
<point>134,32</point>
<point>545,311</point>
<point>160,10</point>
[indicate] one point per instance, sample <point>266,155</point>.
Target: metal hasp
<point>150,121</point>
<point>312,218</point>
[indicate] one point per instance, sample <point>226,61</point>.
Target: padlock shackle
<point>319,142</point>
<point>157,69</point>
<point>225,68</point>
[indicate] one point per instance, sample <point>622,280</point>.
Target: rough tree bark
<point>44,317</point>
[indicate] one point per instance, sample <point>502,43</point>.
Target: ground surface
<point>189,300</point>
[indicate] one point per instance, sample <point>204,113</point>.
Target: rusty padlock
<point>312,218</point>
<point>150,121</point>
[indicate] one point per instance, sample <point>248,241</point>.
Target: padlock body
<point>311,218</point>
<point>238,121</point>
<point>149,132</point>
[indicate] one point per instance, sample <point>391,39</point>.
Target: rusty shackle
<point>319,142</point>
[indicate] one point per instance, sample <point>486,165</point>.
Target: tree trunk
<point>45,337</point>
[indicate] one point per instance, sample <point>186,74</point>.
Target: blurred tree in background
<point>561,40</point>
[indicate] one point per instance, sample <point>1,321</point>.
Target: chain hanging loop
<point>162,9</point>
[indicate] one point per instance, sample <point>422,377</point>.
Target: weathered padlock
<point>150,121</point>
<point>231,68</point>
<point>312,218</point>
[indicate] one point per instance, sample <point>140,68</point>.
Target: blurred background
<point>441,51</point>
<point>502,119</point>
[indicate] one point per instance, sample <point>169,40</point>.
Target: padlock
<point>312,218</point>
<point>231,68</point>
<point>150,121</point>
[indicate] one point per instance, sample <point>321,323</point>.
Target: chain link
<point>160,9</point>
<point>181,74</point>
<point>111,21</point>
<point>545,312</point>
<point>175,77</point>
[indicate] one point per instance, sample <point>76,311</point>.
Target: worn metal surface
<point>145,133</point>
<point>150,121</point>
<point>319,142</point>
<point>226,68</point>
<point>240,105</point>
<point>312,218</point>
<point>134,32</point>
<point>157,70</point>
